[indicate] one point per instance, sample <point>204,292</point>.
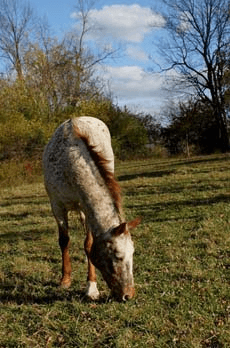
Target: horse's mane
<point>101,163</point>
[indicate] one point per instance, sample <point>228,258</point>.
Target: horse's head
<point>112,254</point>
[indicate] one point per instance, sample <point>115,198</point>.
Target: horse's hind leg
<point>61,217</point>
<point>91,289</point>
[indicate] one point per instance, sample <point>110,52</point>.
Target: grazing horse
<point>78,167</point>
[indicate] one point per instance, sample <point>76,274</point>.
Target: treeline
<point>27,122</point>
<point>28,117</point>
<point>193,128</point>
<point>46,80</point>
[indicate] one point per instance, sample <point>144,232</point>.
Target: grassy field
<point>181,264</point>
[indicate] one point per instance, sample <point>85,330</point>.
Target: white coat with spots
<point>78,167</point>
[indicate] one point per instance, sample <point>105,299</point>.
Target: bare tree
<point>198,34</point>
<point>87,57</point>
<point>16,20</point>
<point>65,69</point>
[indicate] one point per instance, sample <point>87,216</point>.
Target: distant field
<point>181,264</point>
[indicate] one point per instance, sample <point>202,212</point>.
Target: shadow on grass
<point>25,200</point>
<point>32,234</point>
<point>203,160</point>
<point>46,293</point>
<point>197,218</point>
<point>169,164</point>
<point>14,216</point>
<point>149,211</point>
<point>155,174</point>
<point>31,292</point>
<point>177,188</point>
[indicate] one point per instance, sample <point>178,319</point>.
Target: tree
<point>16,21</point>
<point>152,126</point>
<point>198,33</point>
<point>64,70</point>
<point>192,128</point>
<point>227,89</point>
<point>54,69</point>
<point>88,59</point>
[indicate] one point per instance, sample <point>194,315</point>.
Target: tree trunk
<point>223,137</point>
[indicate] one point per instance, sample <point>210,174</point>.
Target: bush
<point>23,138</point>
<point>19,171</point>
<point>129,135</point>
<point>27,124</point>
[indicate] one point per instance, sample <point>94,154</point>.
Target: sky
<point>132,25</point>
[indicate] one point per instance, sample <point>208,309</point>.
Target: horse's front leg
<point>62,220</point>
<point>91,289</point>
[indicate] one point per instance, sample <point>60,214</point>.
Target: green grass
<point>181,264</point>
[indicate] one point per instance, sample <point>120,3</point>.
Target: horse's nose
<point>125,297</point>
<point>128,295</point>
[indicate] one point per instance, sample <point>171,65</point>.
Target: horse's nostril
<point>125,297</point>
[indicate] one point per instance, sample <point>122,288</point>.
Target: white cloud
<point>138,89</point>
<point>130,26</point>
<point>134,87</point>
<point>132,82</point>
<point>123,22</point>
<point>136,53</point>
<point>185,22</point>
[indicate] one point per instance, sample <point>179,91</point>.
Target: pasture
<point>181,264</point>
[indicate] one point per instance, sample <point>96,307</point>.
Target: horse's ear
<point>122,228</point>
<point>125,227</point>
<point>134,223</point>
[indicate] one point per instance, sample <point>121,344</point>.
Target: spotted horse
<point>78,165</point>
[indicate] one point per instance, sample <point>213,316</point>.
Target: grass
<point>181,264</point>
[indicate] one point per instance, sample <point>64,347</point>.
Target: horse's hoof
<point>91,291</point>
<point>65,284</point>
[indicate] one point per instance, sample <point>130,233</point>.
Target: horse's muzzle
<point>128,295</point>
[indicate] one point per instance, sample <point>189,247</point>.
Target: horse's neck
<point>96,200</point>
<point>101,214</point>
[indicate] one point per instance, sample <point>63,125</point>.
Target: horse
<point>78,165</point>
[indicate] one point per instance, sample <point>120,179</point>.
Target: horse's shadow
<point>50,294</point>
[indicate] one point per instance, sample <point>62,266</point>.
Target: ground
<point>181,263</point>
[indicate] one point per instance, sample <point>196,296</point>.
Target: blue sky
<point>126,23</point>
